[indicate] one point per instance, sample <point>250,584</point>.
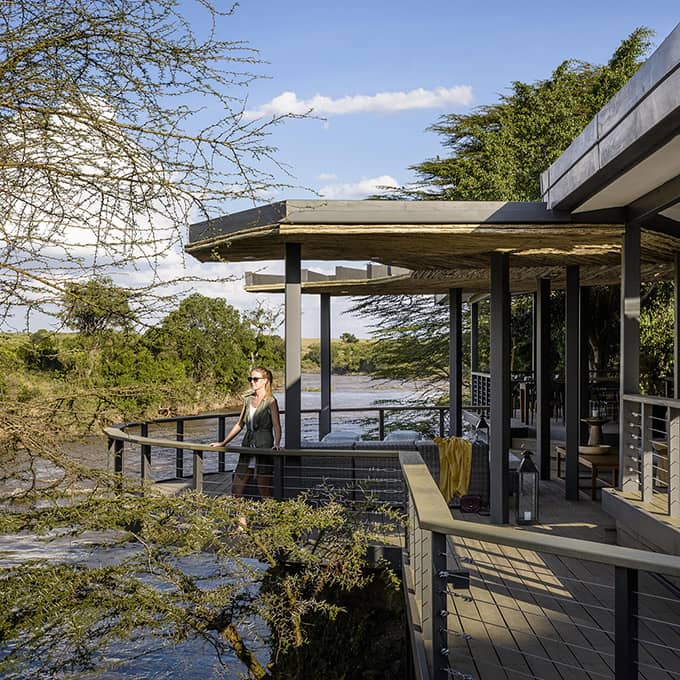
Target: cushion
<point>400,435</point>
<point>341,436</point>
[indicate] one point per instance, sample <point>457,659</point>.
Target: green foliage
<point>57,617</point>
<point>95,306</point>
<point>348,355</point>
<point>209,338</point>
<point>40,352</point>
<point>656,337</point>
<point>499,151</point>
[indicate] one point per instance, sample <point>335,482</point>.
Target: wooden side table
<point>597,464</point>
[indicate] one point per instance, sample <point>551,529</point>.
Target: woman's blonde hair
<point>268,390</point>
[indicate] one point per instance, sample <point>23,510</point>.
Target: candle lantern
<point>526,498</point>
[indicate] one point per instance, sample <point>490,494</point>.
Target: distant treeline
<point>348,355</point>
<point>198,356</point>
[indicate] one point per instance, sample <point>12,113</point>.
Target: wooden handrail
<point>434,515</point>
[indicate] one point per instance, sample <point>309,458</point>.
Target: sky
<point>379,73</point>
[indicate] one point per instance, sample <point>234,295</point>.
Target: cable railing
<point>651,451</point>
<point>483,601</point>
<point>490,602</point>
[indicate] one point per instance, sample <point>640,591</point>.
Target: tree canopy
<point>496,153</point>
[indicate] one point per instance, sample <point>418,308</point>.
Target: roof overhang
<point>416,235</point>
<point>629,154</point>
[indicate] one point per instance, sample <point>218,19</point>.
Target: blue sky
<point>382,72</point>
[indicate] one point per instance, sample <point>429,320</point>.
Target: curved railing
<point>489,601</point>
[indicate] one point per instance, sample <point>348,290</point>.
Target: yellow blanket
<point>455,461</point>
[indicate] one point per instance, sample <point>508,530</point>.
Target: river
<point>146,657</point>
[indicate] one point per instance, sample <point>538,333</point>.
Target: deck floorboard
<point>549,617</point>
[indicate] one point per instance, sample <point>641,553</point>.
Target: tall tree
<point>497,153</point>
<point>120,122</point>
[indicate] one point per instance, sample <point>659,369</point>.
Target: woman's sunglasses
<point>252,380</point>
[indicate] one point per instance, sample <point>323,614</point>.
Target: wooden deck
<point>529,615</point>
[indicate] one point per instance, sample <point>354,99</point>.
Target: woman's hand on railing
<point>216,443</point>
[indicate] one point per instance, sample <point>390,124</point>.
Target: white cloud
<point>420,98</point>
<point>327,176</point>
<point>361,189</point>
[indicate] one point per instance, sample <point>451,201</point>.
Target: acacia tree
<point>108,136</point>
<point>109,146</point>
<point>497,153</point>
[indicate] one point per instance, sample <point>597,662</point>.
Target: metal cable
<point>548,572</point>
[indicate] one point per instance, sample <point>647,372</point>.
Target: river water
<point>149,657</point>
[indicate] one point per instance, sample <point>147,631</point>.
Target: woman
<point>260,417</point>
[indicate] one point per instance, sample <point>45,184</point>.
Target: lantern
<point>526,498</point>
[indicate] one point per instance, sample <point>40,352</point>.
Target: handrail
<point>434,515</point>
<point>651,401</point>
<point>119,435</point>
<point>345,409</point>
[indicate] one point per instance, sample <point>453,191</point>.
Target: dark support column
<point>145,472</point>
<point>676,330</point>
<point>500,385</point>
<point>474,336</point>
<point>543,379</point>
<point>571,381</point>
<point>630,343</point>
<point>626,623</point>
<point>325,340</point>
<point>455,362</point>
<point>293,332</point>
<point>584,373</point>
<point>534,333</point>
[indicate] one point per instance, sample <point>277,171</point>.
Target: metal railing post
<point>278,490</point>
<point>197,481</point>
<point>626,623</point>
<point>221,434</point>
<point>434,606</point>
<point>116,450</point>
<point>674,462</point>
<point>646,464</point>
<point>442,424</point>
<point>179,452</point>
<point>381,424</point>
<point>145,462</point>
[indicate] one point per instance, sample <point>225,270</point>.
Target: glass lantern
<point>526,498</point>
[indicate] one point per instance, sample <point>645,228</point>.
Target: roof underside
<point>444,243</point>
<point>623,168</point>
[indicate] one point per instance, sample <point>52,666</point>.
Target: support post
<point>325,360</point>
<point>626,624</point>
<point>676,328</point>
<point>584,368</point>
<point>434,608</point>
<point>116,448</point>
<point>455,362</point>
<point>197,484</point>
<point>500,386</point>
<point>630,344</point>
<point>179,452</point>
<point>293,332</point>
<point>572,372</point>
<point>145,462</point>
<point>474,336</point>
<point>674,463</point>
<point>543,381</point>
<point>221,434</point>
